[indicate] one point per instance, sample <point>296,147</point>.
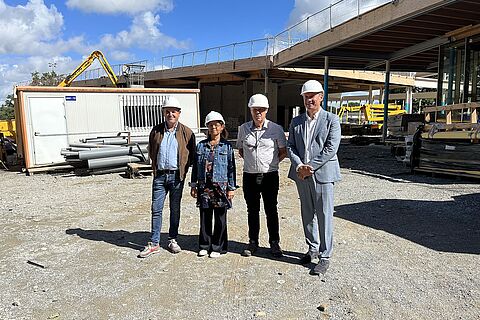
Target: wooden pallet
<point>449,172</point>
<point>137,170</point>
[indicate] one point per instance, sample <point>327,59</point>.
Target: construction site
<point>404,79</point>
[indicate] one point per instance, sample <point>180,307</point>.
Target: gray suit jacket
<point>324,146</point>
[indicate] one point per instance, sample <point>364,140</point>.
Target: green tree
<point>6,110</point>
<point>46,78</point>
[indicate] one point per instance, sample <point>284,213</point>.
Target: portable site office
<point>51,118</point>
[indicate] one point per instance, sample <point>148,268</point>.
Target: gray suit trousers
<point>316,202</point>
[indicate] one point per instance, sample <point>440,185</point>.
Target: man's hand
<point>304,171</point>
<point>230,194</point>
<point>193,192</point>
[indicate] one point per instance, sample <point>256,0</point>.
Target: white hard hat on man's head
<point>258,101</point>
<point>213,116</point>
<point>171,102</point>
<point>311,86</point>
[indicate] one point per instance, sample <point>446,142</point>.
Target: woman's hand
<point>193,192</point>
<point>230,194</point>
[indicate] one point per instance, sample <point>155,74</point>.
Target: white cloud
<point>143,33</point>
<point>31,37</point>
<point>29,28</point>
<point>120,6</point>
<point>19,70</point>
<point>305,8</point>
<point>341,11</point>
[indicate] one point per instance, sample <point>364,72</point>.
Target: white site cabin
<point>51,118</point>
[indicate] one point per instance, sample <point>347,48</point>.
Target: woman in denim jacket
<point>213,184</point>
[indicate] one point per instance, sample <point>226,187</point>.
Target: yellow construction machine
<point>7,128</point>
<point>87,63</point>
<point>368,113</point>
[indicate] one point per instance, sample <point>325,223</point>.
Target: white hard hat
<point>258,100</point>
<point>171,102</point>
<point>213,116</point>
<point>311,86</point>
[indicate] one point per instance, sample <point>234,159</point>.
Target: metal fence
<point>317,23</point>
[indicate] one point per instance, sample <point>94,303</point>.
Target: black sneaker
<point>321,267</point>
<point>250,249</point>
<point>275,249</point>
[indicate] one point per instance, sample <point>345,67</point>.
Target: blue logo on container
<point>71,98</point>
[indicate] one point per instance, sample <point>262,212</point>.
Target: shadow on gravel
<point>137,240</point>
<point>448,226</point>
<point>377,161</point>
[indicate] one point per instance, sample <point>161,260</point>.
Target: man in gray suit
<point>313,141</point>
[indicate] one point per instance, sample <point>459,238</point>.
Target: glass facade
<point>459,70</point>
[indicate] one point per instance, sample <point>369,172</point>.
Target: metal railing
<point>317,23</point>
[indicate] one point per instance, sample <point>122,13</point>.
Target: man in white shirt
<point>262,145</point>
<point>313,141</point>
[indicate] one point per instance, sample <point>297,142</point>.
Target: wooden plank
<point>453,126</point>
<point>459,106</point>
<point>55,168</point>
<point>463,135</point>
<point>138,169</point>
<point>449,117</point>
<point>453,172</point>
<point>474,116</point>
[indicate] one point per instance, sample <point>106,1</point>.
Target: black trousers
<point>256,186</point>
<point>216,239</point>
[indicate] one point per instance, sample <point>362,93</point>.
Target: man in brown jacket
<point>171,149</point>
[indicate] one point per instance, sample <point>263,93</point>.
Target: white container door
<point>49,129</point>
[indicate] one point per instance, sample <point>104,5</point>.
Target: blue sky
<point>38,32</point>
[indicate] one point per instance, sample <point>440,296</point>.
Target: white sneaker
<point>202,253</point>
<point>173,246</point>
<point>214,254</point>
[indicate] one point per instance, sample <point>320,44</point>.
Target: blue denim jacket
<point>223,166</point>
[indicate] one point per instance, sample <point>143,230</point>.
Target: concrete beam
<point>382,17</point>
<point>403,53</point>
<point>371,76</point>
<point>242,65</point>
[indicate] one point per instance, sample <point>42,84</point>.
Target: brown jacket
<point>186,147</point>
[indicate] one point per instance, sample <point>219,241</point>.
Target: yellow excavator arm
<point>87,63</point>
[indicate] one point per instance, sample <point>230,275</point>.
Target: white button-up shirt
<point>310,125</point>
<point>260,146</point>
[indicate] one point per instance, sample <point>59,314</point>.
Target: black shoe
<point>321,267</point>
<point>250,249</point>
<point>276,250</point>
<point>307,258</point>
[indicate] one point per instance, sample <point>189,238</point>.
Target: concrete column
<point>370,94</point>
<point>409,100</point>
<point>385,99</point>
<point>248,89</point>
<point>325,85</point>
<point>265,76</point>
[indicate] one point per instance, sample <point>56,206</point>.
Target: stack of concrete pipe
<point>106,153</point>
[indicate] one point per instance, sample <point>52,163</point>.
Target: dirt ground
<point>406,247</point>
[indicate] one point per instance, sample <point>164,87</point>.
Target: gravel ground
<point>406,247</point>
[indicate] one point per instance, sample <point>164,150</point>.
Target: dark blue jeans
<point>162,185</point>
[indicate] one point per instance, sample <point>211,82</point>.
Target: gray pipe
<point>139,140</point>
<point>115,141</point>
<point>69,153</point>
<point>92,145</point>
<point>112,162</point>
<point>106,153</point>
